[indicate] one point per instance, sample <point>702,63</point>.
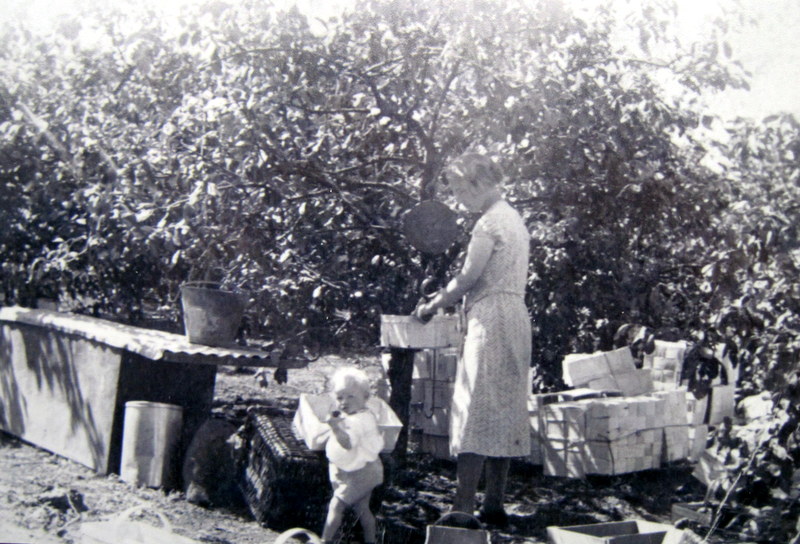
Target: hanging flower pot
<point>211,315</point>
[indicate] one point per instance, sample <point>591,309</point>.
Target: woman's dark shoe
<point>495,518</point>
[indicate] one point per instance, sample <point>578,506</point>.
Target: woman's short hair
<point>476,168</point>
<point>350,375</point>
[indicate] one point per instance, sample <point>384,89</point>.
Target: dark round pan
<point>430,226</point>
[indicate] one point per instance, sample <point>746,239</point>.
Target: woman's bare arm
<point>478,252</point>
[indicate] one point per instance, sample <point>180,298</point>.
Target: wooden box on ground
<point>404,331</point>
<point>431,395</point>
<point>704,513</point>
<point>677,443</point>
<point>620,532</point>
<point>633,453</point>
<point>605,436</point>
<point>436,421</point>
<point>564,459</point>
<point>284,483</point>
<point>563,431</point>
<point>693,511</point>
<point>536,404</point>
<point>436,446</point>
<point>710,467</point>
<point>121,528</point>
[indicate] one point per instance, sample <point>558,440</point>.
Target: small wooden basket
<point>439,533</point>
<point>312,410</point>
<point>405,331</point>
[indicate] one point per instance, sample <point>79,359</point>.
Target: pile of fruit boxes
<point>431,394</point>
<point>613,435</point>
<point>618,420</point>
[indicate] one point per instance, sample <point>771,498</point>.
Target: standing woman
<point>489,416</point>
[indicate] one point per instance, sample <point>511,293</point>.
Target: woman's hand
<point>423,311</point>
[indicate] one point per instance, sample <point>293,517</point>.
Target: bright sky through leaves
<point>768,49</point>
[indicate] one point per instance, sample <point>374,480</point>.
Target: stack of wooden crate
<point>647,423</point>
<point>431,394</point>
<point>602,436</point>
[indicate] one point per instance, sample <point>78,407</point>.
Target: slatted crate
<point>435,445</point>
<point>405,331</point>
<point>431,396</point>
<point>677,445</point>
<point>537,419</point>
<point>612,435</point>
<point>616,532</point>
<point>284,483</point>
<point>436,421</point>
<point>563,430</point>
<point>666,364</point>
<point>640,450</point>
<point>607,370</point>
<point>698,436</point>
<point>612,419</point>
<point>564,458</point>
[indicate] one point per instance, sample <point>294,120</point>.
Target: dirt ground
<point>46,499</point>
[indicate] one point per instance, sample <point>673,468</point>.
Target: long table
<point>65,379</point>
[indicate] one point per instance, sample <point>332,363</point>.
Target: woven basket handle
<point>464,515</point>
<point>297,531</point>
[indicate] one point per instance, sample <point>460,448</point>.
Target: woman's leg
<point>469,468</point>
<point>496,477</point>
<point>366,518</point>
<point>333,521</point>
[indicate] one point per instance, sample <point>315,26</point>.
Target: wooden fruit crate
<point>618,532</point>
<point>313,409</point>
<point>607,436</point>
<point>405,331</point>
<point>536,415</point>
<point>435,445</point>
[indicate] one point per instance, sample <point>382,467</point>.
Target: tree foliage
<point>276,152</point>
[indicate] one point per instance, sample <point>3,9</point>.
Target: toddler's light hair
<point>350,375</point>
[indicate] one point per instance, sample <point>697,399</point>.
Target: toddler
<point>353,453</point>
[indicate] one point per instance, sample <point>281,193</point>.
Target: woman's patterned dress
<point>489,409</point>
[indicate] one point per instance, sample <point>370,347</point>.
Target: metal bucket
<point>150,437</point>
<point>211,316</point>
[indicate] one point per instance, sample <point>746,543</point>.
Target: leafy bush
<point>258,149</point>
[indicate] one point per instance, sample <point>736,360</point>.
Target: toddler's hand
<point>335,418</point>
